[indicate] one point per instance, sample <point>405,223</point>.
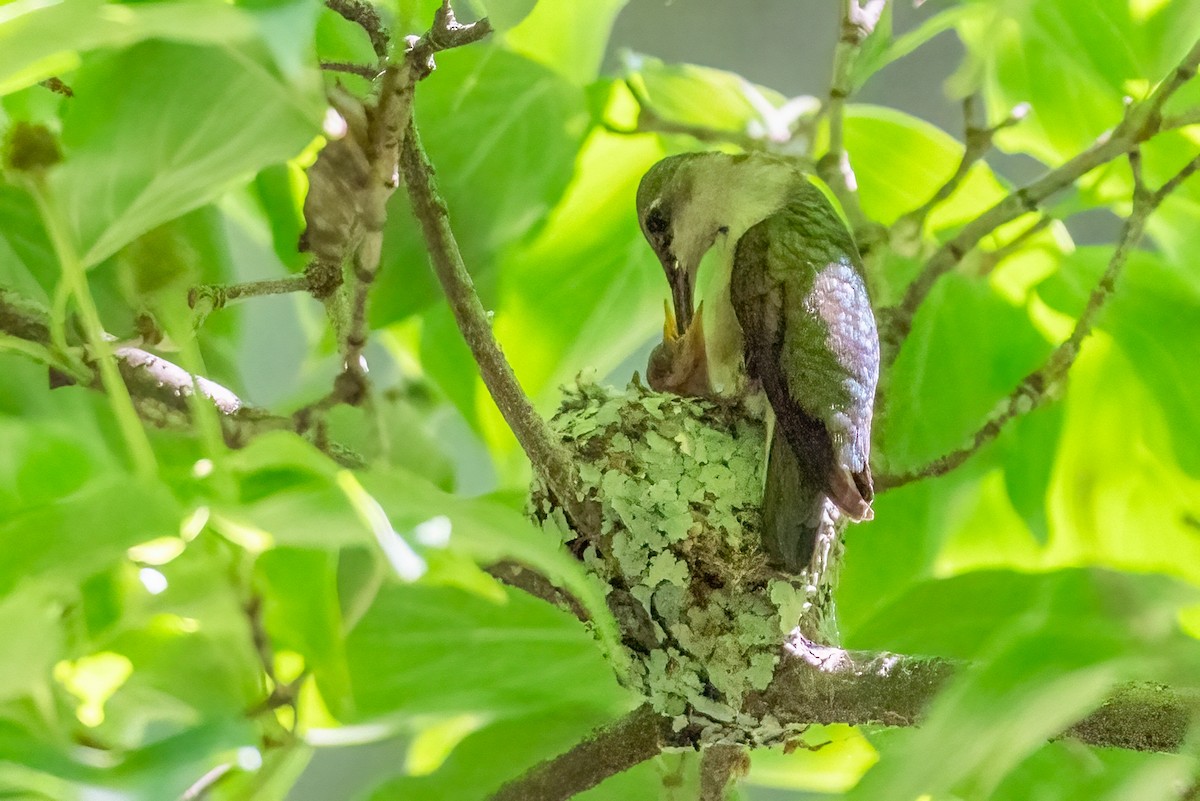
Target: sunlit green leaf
<point>136,159</point>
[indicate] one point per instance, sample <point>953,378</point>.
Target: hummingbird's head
<point>668,213</point>
<point>685,203</point>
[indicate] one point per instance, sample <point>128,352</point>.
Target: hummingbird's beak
<point>680,279</point>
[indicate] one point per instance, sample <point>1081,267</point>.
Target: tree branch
<point>857,22</point>
<point>355,174</point>
<point>1046,381</point>
<point>633,739</point>
<point>160,389</point>
<point>550,459</point>
<point>1142,120</point>
<point>825,685</point>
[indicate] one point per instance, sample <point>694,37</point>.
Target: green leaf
<point>900,161</point>
<point>137,159</point>
<point>27,261</point>
<point>964,329</point>
<point>439,650</point>
<point>302,614</point>
<point>1116,476</point>
<point>32,624</point>
<point>964,616</point>
<point>882,47</point>
<point>164,769</point>
<point>1027,470</point>
<point>1069,771</point>
<point>488,533</point>
<point>503,14</point>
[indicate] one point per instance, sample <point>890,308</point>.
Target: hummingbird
<point>788,313</point>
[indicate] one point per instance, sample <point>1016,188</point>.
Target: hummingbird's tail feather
<point>794,514</point>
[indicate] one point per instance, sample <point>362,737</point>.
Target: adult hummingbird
<point>788,310</point>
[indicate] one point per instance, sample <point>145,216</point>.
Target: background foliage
<point>147,619</point>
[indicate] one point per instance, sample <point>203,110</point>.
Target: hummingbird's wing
<point>811,341</point>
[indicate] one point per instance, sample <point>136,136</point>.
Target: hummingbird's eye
<point>656,222</point>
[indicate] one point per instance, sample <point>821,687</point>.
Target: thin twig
<point>856,23</point>
<point>1045,382</point>
<point>349,187</point>
<point>1141,121</point>
<point>366,17</point>
<point>1182,119</point>
<point>633,739</point>
<point>989,259</point>
<point>159,389</point>
<point>649,121</point>
<point>977,141</point>
<point>549,457</point>
<point>216,296</point>
<point>361,70</point>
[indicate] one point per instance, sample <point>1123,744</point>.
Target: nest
<point>702,611</point>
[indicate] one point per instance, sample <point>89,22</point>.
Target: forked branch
<point>1046,382</point>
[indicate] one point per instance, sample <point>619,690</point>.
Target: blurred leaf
<point>164,769</point>
<point>964,616</point>
<point>831,759</point>
<point>1152,316</point>
<point>503,14</point>
<point>73,537</point>
<point>503,132</point>
<point>145,157</point>
<point>301,613</point>
<point>1069,771</point>
<point>32,624</point>
<point>27,261</point>
<point>439,650</point>
<point>1116,476</point>
<point>38,40</point>
<point>1047,649</point>
<point>569,38</point>
<point>968,349</point>
<point>690,94</point>
<point>1073,60</point>
<point>488,533</point>
<point>883,47</point>
<point>498,752</point>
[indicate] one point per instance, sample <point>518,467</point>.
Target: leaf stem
<point>74,277</point>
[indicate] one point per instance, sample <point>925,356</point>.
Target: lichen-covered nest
<point>679,481</point>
